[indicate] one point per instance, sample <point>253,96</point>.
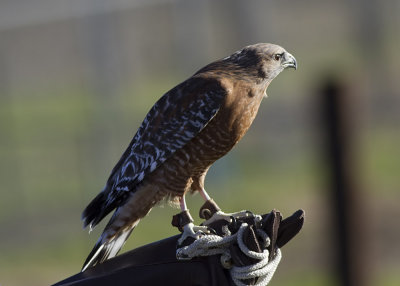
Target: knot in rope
<point>208,245</point>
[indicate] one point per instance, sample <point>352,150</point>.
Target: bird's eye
<point>277,57</point>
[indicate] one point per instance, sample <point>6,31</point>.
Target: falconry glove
<point>248,244</point>
<point>156,263</point>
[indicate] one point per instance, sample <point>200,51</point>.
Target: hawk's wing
<point>176,118</point>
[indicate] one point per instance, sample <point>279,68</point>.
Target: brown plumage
<point>184,133</point>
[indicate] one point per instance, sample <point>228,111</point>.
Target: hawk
<point>184,133</point>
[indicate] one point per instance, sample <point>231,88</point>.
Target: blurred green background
<point>77,77</point>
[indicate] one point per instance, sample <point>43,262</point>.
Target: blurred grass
<point>59,143</point>
<point>56,151</point>
<point>379,160</point>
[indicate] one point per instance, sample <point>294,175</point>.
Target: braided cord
<point>208,245</point>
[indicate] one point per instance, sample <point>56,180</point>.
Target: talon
<point>192,231</point>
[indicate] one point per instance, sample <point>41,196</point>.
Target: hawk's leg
<point>184,222</point>
<point>212,212</point>
<point>204,194</point>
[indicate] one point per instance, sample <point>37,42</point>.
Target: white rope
<point>213,244</point>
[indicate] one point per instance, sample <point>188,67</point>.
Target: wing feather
<point>176,118</point>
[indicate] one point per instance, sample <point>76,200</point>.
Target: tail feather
<point>93,212</point>
<point>97,209</point>
<point>104,250</point>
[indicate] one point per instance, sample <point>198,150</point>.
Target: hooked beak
<point>289,61</point>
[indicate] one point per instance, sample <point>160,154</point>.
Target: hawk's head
<point>265,61</point>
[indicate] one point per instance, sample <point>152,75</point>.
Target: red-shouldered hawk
<point>185,132</point>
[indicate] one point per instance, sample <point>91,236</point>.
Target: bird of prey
<point>184,133</point>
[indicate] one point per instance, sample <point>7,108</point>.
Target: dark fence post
<point>338,128</point>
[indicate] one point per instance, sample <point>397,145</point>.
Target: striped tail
<point>106,249</point>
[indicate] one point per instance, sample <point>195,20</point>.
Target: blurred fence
<point>77,77</point>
